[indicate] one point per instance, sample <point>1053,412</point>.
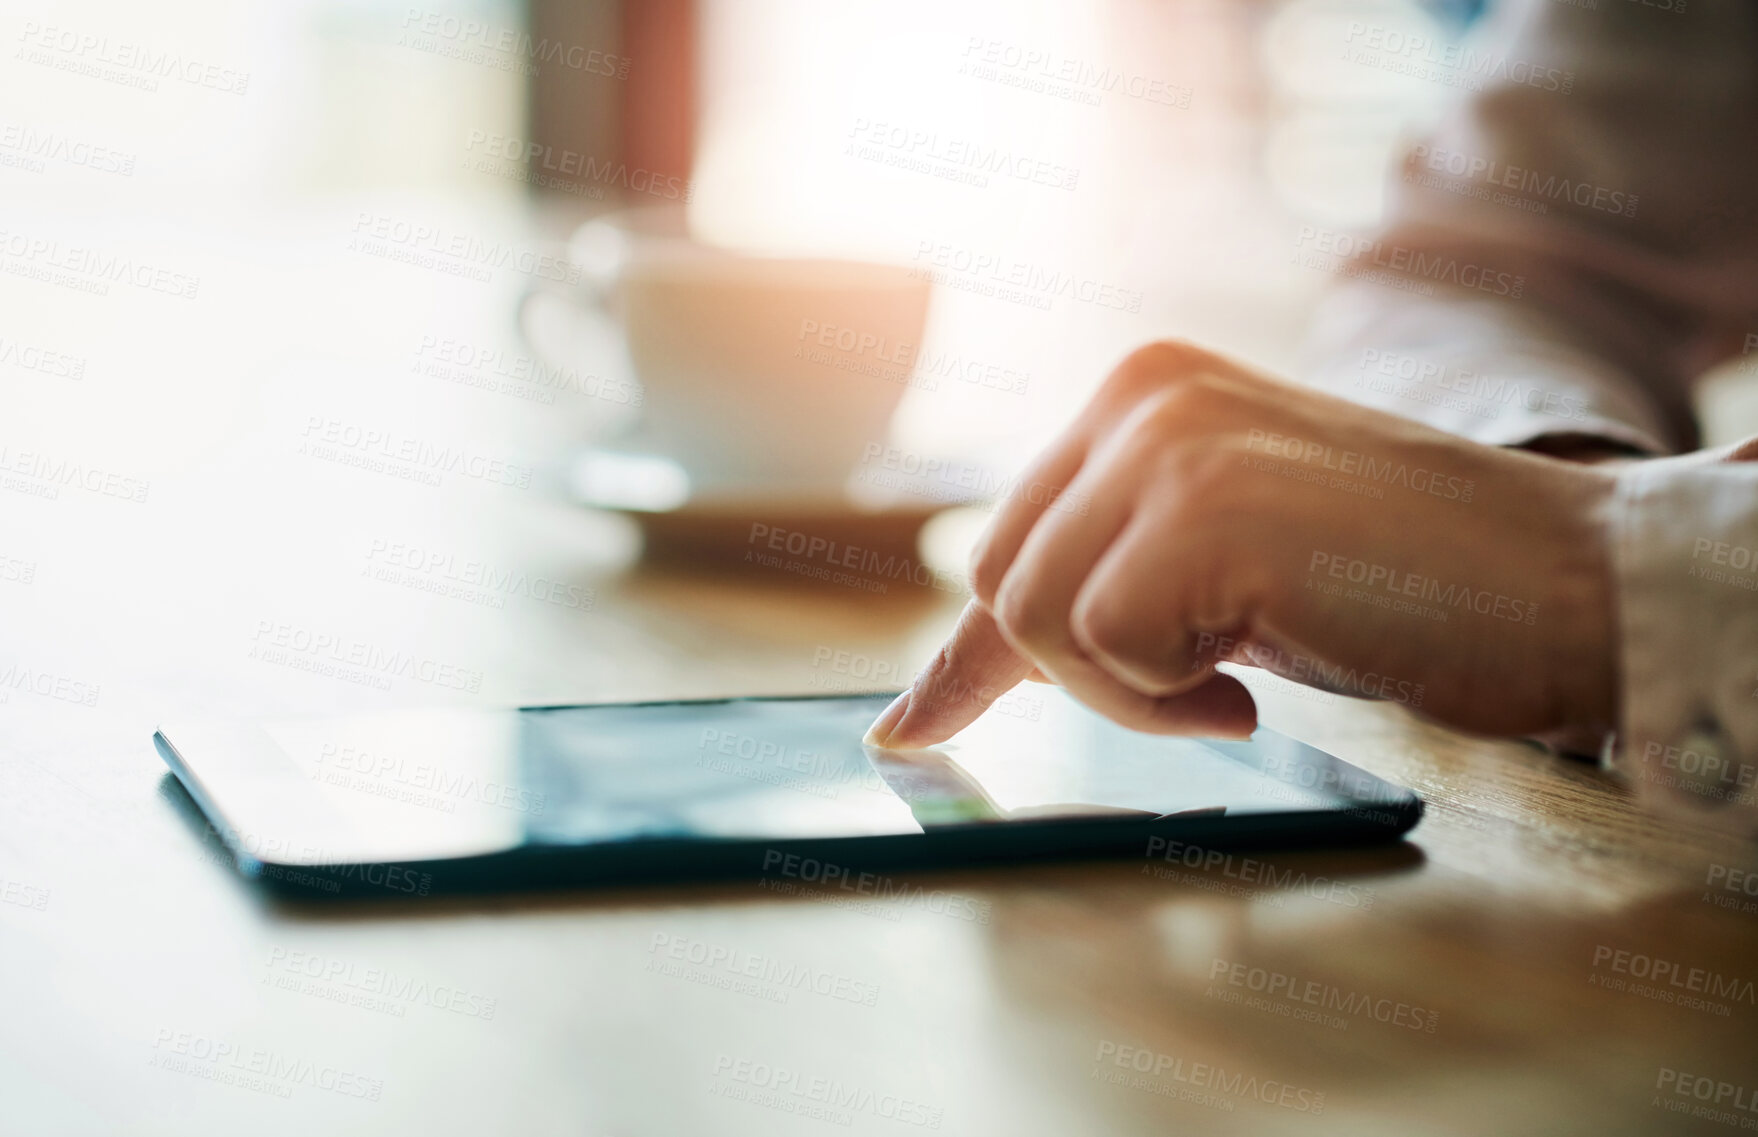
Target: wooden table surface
<point>1486,976</point>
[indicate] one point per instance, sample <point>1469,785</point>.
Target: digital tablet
<point>431,801</point>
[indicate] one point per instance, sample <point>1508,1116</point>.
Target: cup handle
<point>594,295</point>
<point>536,293</point>
<point>599,251</point>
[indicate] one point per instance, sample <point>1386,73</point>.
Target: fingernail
<point>880,732</point>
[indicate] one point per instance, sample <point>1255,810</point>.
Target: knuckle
<point>986,573</point>
<point>1180,413</point>
<point>1167,364</point>
<point>1148,369</point>
<point>1110,633</point>
<point>1180,386</point>
<point>931,684</point>
<point>1177,355</point>
<point>1017,615</point>
<point>1189,515</point>
<point>1195,479</point>
<point>1195,401</point>
<point>1099,626</point>
<point>1203,471</point>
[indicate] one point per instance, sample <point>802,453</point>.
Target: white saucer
<point>627,481</point>
<point>681,517</point>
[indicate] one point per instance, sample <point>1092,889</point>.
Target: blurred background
<point>1201,134</point>
<point>234,236</point>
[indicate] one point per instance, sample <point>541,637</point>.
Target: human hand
<point>1197,511</point>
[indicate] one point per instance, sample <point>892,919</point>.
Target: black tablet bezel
<point>239,760</point>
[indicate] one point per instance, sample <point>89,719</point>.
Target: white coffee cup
<point>759,375</point>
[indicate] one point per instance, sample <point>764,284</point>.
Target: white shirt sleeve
<point>1685,549</point>
<point>1482,368</point>
<point>1566,262</point>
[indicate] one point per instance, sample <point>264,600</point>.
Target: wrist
<point>1582,647</point>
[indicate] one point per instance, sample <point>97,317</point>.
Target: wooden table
<point>1472,980</point>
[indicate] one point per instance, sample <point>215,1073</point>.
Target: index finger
<point>975,667</point>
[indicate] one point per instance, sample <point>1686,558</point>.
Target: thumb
<point>975,667</point>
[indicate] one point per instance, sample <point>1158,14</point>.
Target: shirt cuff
<point>1684,539</point>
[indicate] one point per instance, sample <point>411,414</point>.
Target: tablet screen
<point>447,782</point>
